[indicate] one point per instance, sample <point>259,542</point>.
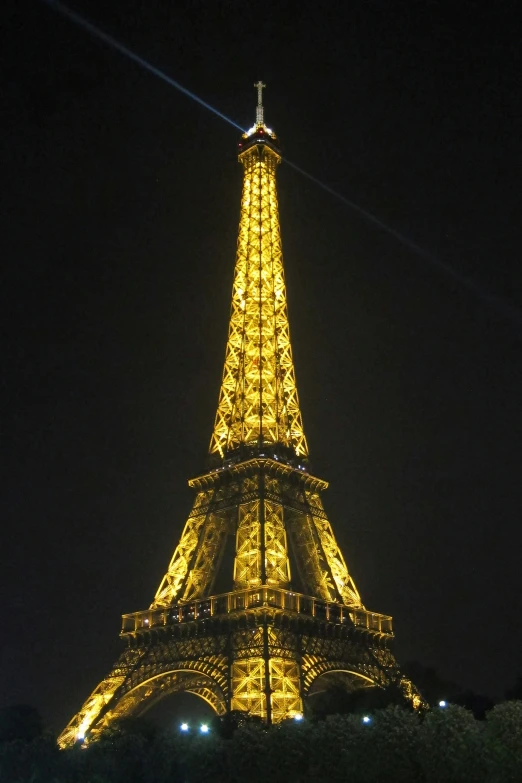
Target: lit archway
<point>331,692</point>
<point>137,701</point>
<point>345,678</point>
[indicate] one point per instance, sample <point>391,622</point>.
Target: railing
<point>228,603</point>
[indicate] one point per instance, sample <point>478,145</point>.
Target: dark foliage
<point>336,700</point>
<point>479,704</point>
<point>443,745</point>
<point>434,689</point>
<point>225,725</point>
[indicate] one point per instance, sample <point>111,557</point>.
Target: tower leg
<point>268,689</point>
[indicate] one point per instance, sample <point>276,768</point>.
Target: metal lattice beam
<point>258,402</point>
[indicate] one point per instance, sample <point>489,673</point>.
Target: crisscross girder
<point>258,402</point>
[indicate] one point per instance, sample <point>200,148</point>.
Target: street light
<point>184,727</point>
<point>204,728</point>
<point>298,716</point>
<point>443,703</point>
<point>366,719</point>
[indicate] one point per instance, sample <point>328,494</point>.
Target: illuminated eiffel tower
<point>257,604</point>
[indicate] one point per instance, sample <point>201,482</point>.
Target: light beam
<point>509,310</point>
<point>115,44</point>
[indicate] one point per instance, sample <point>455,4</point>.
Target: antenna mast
<point>259,109</point>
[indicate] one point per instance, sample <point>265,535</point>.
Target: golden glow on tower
<point>264,502</point>
<point>261,546</point>
<point>258,403</point>
<point>250,683</point>
<point>292,612</point>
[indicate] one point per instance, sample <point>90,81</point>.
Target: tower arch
<point>358,674</point>
<point>352,679</point>
<point>142,697</point>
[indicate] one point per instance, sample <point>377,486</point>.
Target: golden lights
<point>258,402</point>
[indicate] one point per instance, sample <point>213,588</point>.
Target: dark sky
<point>119,219</point>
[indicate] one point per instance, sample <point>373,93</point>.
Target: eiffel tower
<point>257,605</point>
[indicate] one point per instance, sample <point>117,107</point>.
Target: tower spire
<point>259,110</point>
<point>258,407</point>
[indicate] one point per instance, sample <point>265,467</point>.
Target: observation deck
<point>259,135</point>
<point>257,599</point>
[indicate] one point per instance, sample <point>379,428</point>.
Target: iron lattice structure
<point>257,602</point>
<point>258,402</point>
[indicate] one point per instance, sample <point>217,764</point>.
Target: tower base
<point>259,651</point>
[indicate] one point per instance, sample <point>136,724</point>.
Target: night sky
<point>120,205</point>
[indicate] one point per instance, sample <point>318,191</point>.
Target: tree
<point>37,761</point>
<point>336,699</point>
<point>393,739</point>
<point>288,750</point>
<point>117,757</point>
<point>451,746</point>
<point>339,747</point>
<point>478,703</point>
<point>503,741</point>
<point>247,752</point>
<point>225,725</point>
<point>132,726</point>
<point>204,760</point>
